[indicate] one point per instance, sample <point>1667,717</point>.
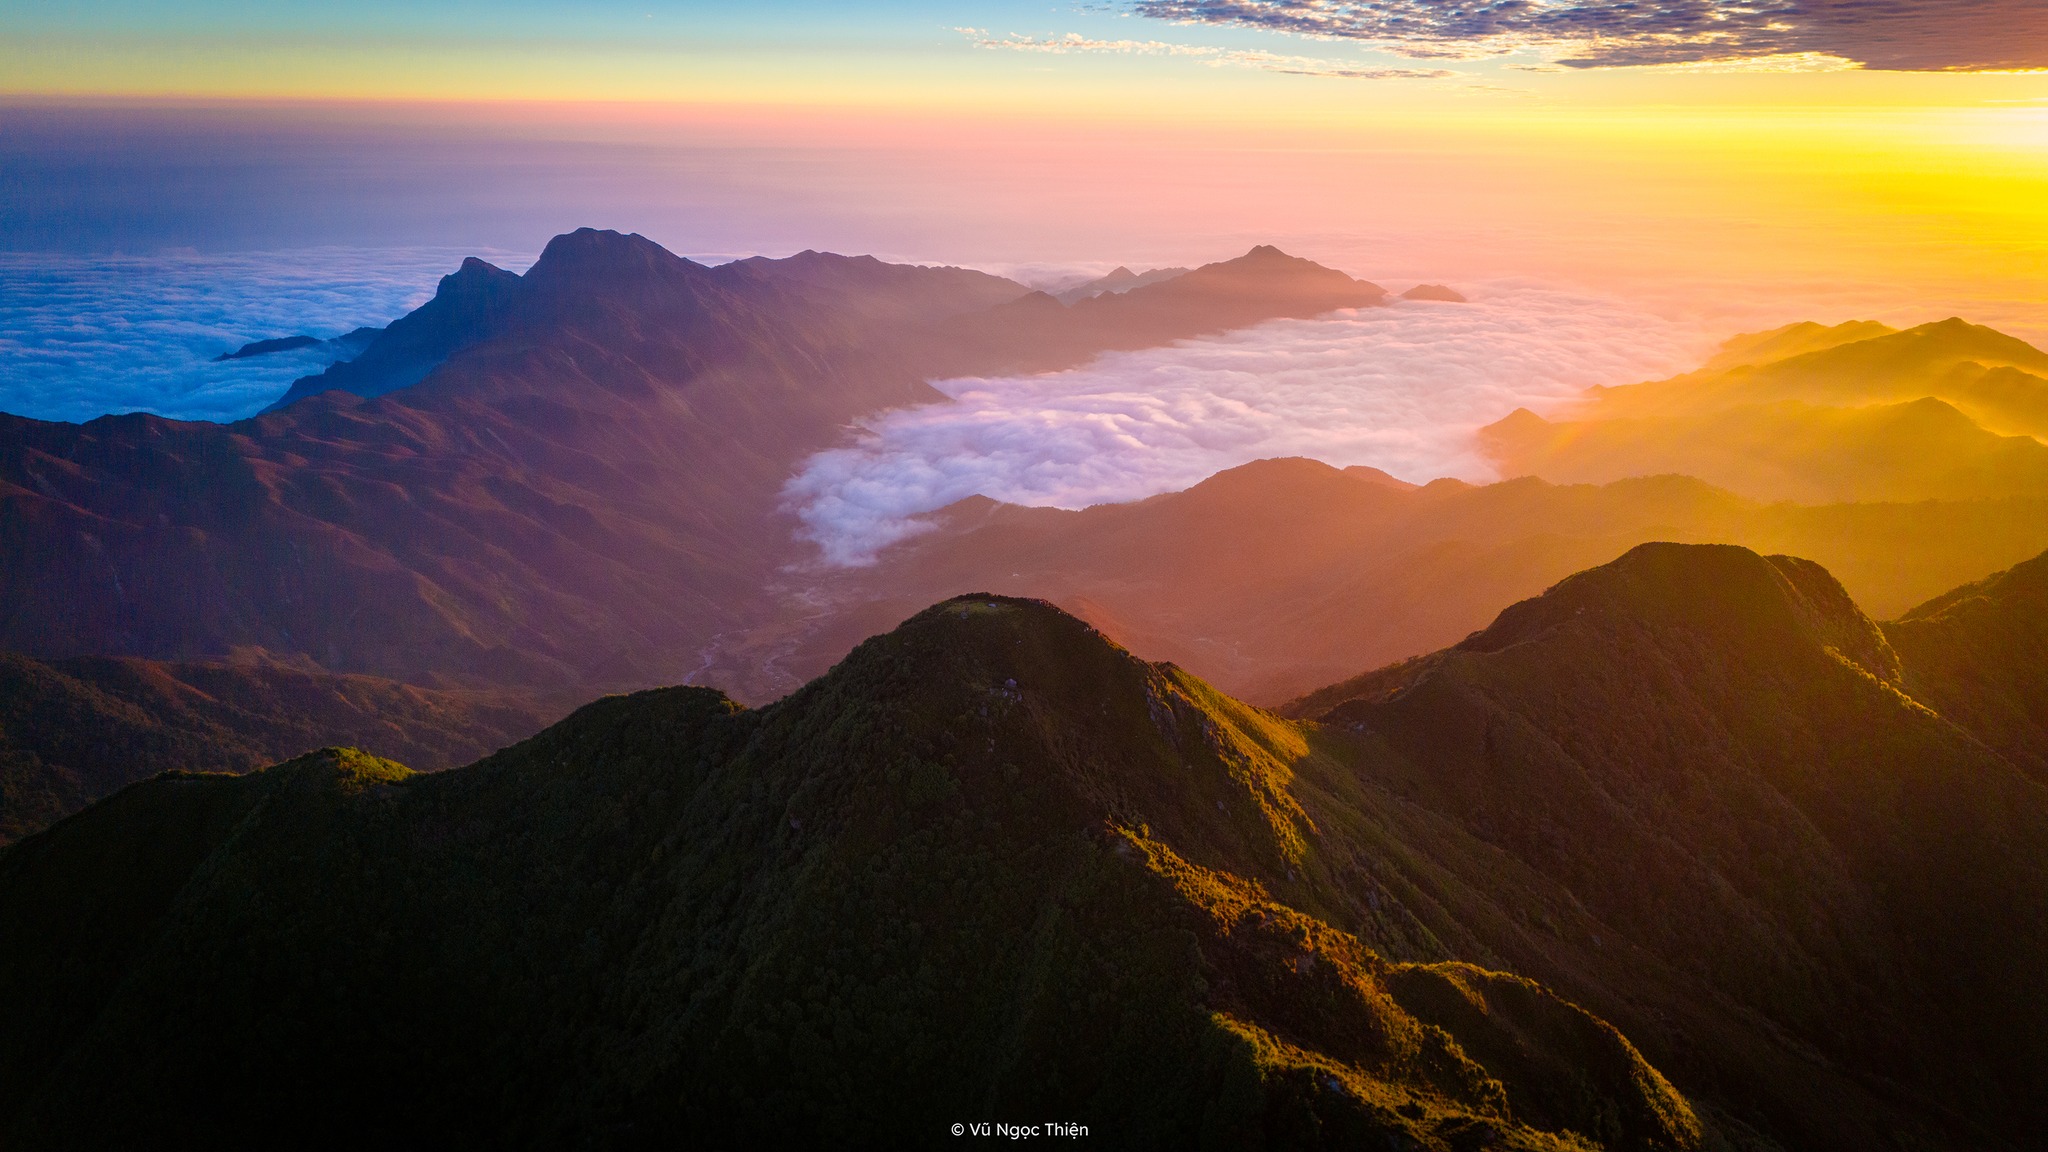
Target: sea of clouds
<point>83,336</point>
<point>1402,388</point>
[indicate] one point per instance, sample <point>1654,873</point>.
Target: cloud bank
<point>1400,388</point>
<point>86,336</point>
<point>1903,35</point>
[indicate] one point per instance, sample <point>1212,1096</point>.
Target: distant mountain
<point>1119,279</point>
<point>1791,340</point>
<point>1036,333</point>
<point>992,865</point>
<point>1856,412</point>
<point>266,347</point>
<point>347,344</point>
<point>1436,292</point>
<point>74,731</point>
<point>1923,449</point>
<point>1283,575</point>
<point>567,478</point>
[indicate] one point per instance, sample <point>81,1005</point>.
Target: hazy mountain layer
<point>74,731</point>
<point>1284,575</point>
<point>1944,411</point>
<point>1119,279</point>
<point>993,867</point>
<point>565,478</point>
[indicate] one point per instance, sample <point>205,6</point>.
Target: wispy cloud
<point>1907,35</point>
<point>1074,42</point>
<point>1399,388</point>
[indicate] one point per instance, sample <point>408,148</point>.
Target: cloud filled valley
<point>82,336</point>
<point>1400,388</point>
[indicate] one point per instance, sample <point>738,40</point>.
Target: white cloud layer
<point>1401,388</point>
<point>85,336</point>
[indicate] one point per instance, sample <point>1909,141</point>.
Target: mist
<point>1401,388</point>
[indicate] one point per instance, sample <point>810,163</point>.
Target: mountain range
<point>540,487</point>
<point>1282,575</point>
<point>566,478</point>
<point>1668,857</point>
<point>1685,790</point>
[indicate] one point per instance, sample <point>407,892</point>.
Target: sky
<point>1813,138</point>
<point>176,178</point>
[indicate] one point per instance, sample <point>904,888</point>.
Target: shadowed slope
<point>74,731</point>
<point>469,304</point>
<point>1979,656</point>
<point>993,865</point>
<point>1713,752</point>
<point>990,865</point>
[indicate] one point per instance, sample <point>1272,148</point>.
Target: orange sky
<point>1914,188</point>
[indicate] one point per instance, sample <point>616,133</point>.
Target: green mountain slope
<point>72,731</point>
<point>1716,754</point>
<point>994,868</point>
<point>991,868</point>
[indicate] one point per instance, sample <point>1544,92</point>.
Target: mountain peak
<point>1268,273</point>
<point>1723,593</point>
<point>474,276</point>
<point>1438,293</point>
<point>598,257</point>
<point>469,305</point>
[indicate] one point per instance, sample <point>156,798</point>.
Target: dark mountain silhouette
<point>564,478</point>
<point>1283,575</point>
<point>77,730</point>
<point>347,344</point>
<point>1948,410</point>
<point>993,865</point>
<point>1707,730</point>
<point>266,347</point>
